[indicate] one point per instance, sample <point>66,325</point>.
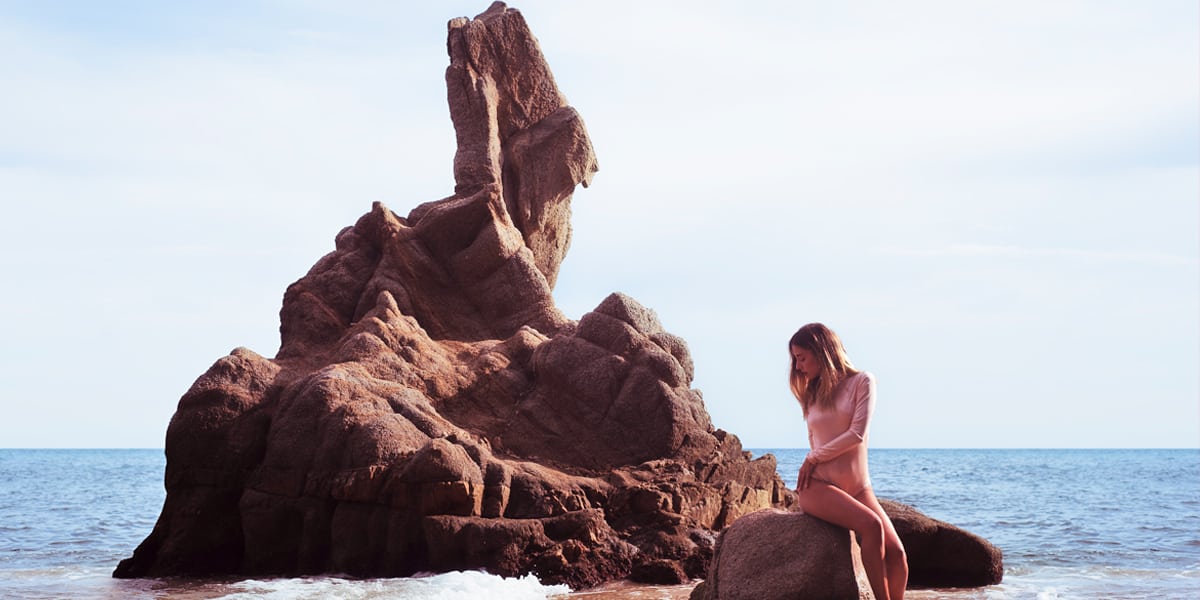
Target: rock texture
<point>778,555</point>
<point>941,555</point>
<point>430,409</point>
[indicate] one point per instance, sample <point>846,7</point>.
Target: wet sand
<point>627,590</point>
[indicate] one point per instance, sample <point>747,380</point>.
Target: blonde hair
<point>835,366</point>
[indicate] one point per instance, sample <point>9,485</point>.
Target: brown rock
<point>941,555</point>
<point>659,571</point>
<point>430,408</point>
<point>778,555</point>
<point>515,130</point>
<point>772,554</point>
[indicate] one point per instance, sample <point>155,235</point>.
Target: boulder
<point>772,554</point>
<point>431,409</point>
<point>778,555</point>
<point>941,555</point>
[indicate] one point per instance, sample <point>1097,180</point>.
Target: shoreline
<point>1072,547</point>
<point>624,589</point>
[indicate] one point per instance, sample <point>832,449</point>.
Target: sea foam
<point>455,585</point>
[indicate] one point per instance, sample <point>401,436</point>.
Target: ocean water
<point>1071,523</point>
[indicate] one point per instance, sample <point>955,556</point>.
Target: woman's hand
<point>806,471</point>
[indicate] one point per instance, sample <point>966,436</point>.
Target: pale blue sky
<point>996,204</point>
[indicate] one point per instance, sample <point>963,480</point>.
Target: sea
<point>1071,524</point>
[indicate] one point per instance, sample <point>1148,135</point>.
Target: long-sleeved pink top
<point>838,436</point>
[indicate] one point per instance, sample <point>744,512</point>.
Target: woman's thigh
<point>832,504</point>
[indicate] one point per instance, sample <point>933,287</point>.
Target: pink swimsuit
<point>838,437</point>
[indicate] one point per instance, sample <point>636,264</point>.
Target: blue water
<point>1071,523</point>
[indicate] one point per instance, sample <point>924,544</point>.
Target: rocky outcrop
<point>778,555</point>
<point>430,409</point>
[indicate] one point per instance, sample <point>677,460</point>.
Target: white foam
<point>456,585</point>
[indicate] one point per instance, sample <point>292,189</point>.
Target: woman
<point>834,484</point>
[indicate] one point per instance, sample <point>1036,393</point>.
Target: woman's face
<point>805,362</point>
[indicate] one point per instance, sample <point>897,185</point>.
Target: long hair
<point>835,366</point>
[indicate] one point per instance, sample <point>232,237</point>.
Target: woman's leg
<point>831,504</point>
<point>894,558</point>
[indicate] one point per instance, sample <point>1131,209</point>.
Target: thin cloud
<point>1031,253</point>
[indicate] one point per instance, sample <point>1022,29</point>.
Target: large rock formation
<point>430,408</point>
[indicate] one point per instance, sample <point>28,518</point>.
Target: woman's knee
<point>894,551</point>
<point>871,531</point>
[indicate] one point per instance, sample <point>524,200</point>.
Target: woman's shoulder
<point>855,381</point>
<point>863,382</point>
<point>858,385</point>
<point>862,377</point>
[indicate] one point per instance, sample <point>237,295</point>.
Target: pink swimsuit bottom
<point>852,492</point>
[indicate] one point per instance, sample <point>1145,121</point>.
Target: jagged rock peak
<point>515,129</point>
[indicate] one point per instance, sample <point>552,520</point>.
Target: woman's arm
<point>864,402</point>
<point>806,467</point>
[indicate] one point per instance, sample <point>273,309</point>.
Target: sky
<point>995,204</point>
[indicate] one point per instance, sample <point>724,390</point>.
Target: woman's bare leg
<point>831,504</point>
<point>894,558</point>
